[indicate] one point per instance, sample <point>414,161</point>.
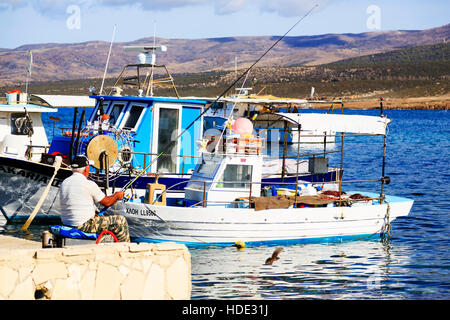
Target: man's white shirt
<point>77,196</point>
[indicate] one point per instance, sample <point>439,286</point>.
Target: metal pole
<point>75,112</point>
<point>284,152</point>
<point>204,194</point>
<point>106,171</point>
<point>342,160</point>
<point>381,106</point>
<point>298,154</point>
<point>383,169</point>
<point>107,60</point>
<point>77,141</point>
<point>173,83</point>
<point>138,77</point>
<point>118,78</point>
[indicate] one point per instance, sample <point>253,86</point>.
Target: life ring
<point>105,233</point>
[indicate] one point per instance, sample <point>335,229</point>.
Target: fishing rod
<point>169,144</point>
<point>140,173</point>
<point>132,181</point>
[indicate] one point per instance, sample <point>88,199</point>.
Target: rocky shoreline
<point>409,103</point>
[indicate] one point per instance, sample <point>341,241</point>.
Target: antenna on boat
<point>153,58</point>
<point>30,62</point>
<point>146,59</point>
<point>107,60</point>
<point>147,54</point>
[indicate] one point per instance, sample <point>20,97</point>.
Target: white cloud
<point>291,8</point>
<point>287,8</point>
<point>229,6</point>
<point>45,7</point>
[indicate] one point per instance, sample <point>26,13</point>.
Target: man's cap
<point>81,162</point>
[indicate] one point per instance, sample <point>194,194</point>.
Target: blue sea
<point>414,264</point>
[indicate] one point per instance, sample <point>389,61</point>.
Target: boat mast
<point>107,59</point>
<point>30,62</point>
<point>153,60</point>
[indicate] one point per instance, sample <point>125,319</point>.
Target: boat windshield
<point>133,117</point>
<point>235,176</point>
<point>115,112</point>
<point>207,169</point>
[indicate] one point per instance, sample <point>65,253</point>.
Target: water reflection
<point>352,270</point>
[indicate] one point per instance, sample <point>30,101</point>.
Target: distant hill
<point>435,52</point>
<point>87,60</point>
<point>421,71</point>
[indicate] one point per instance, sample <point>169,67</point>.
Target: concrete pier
<point>85,272</point>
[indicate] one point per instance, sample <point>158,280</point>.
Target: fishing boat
<point>124,136</point>
<point>23,140</point>
<point>141,125</point>
<point>26,167</point>
<point>22,134</point>
<point>262,110</point>
<point>225,200</point>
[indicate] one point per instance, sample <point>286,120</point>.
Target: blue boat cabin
<point>145,125</point>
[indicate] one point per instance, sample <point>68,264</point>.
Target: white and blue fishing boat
<point>225,202</point>
<point>125,136</point>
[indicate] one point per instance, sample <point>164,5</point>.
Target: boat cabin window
<point>115,112</point>
<point>207,169</point>
<point>134,114</point>
<point>235,176</point>
<point>19,124</point>
<point>96,113</point>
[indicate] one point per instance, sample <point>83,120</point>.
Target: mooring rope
<point>386,231</point>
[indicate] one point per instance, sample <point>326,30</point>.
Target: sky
<point>70,21</point>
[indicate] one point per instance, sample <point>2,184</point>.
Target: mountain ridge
<point>55,61</point>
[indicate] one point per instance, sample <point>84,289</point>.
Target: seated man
<point>78,196</point>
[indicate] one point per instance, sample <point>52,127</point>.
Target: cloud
<point>286,8</point>
<point>223,7</point>
<point>291,8</point>
<point>45,7</point>
<point>154,4</point>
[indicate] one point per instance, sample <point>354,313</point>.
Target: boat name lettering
<point>141,212</point>
<point>29,175</point>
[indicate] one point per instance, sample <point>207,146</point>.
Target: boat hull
<point>22,185</point>
<point>225,226</point>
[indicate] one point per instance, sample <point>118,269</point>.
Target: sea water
<point>413,265</point>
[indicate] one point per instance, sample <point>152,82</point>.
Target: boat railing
<point>339,194</point>
<point>148,157</point>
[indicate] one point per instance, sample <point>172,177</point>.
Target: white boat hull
<point>219,225</point>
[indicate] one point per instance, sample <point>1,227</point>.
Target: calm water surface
<point>413,265</point>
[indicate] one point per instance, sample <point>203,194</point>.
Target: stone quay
<point>110,271</point>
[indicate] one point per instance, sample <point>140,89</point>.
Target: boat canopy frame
<point>145,85</point>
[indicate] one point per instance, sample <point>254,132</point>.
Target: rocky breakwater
<point>107,271</point>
